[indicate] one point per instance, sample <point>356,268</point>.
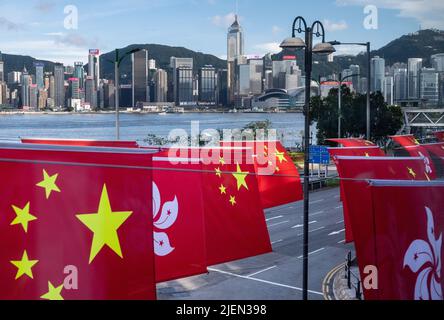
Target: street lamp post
<point>369,66</point>
<point>317,29</point>
<point>117,61</point>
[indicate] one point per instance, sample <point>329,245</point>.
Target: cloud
<point>335,26</point>
<point>273,47</point>
<point>9,25</point>
<point>427,12</point>
<point>224,21</point>
<point>347,50</point>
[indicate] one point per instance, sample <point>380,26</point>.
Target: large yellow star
<point>240,178</point>
<point>104,225</point>
<point>24,266</point>
<point>23,216</point>
<point>49,183</point>
<point>412,172</point>
<point>281,156</point>
<point>54,294</point>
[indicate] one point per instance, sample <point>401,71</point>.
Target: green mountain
<point>162,55</point>
<point>16,63</point>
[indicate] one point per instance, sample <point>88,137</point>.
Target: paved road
<point>277,275</point>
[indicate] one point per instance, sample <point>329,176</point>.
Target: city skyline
<point>40,32</point>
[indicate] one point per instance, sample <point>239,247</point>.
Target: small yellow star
<point>24,266</point>
<point>218,172</point>
<point>53,293</point>
<point>49,183</point>
<point>412,172</point>
<point>240,178</point>
<point>222,161</point>
<point>104,225</point>
<point>278,169</point>
<point>266,148</point>
<point>281,156</point>
<point>233,200</point>
<point>415,141</point>
<point>23,216</point>
<point>223,189</point>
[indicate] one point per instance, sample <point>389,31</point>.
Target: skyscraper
<point>235,48</point>
<point>160,85</point>
<point>2,69</point>
<point>26,81</point>
<point>377,74</point>
<point>176,63</point>
<point>429,84</point>
<point>39,68</point>
<point>94,66</point>
<point>33,93</point>
<point>414,70</point>
<point>388,90</point>
<point>355,71</point>
<point>207,85</point>
<point>59,85</point>
<point>79,73</point>
<point>90,92</point>
<point>184,84</point>
<point>438,62</point>
<point>74,88</point>
<point>400,84</point>
<point>140,76</point>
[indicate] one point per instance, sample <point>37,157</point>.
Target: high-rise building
<point>400,84</point>
<point>389,90</point>
<point>176,63</point>
<point>140,76</point>
<point>52,91</point>
<point>94,66</point>
<point>26,81</point>
<point>152,64</point>
<point>286,74</point>
<point>184,85</point>
<point>59,85</point>
<point>74,88</point>
<point>414,70</point>
<point>429,84</point>
<point>438,62</point>
<point>235,48</point>
<point>377,74</point>
<point>160,86</point>
<point>90,92</point>
<point>355,72</point>
<point>14,77</point>
<point>39,70</point>
<point>43,97</point>
<point>207,85</point>
<point>222,87</point>
<point>79,73</point>
<point>2,68</point>
<point>33,94</point>
<point>109,95</point>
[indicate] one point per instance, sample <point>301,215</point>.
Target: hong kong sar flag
<point>234,219</point>
<point>74,223</point>
<point>179,230</point>
<point>409,223</point>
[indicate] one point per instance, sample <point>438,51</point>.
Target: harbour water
<point>138,126</point>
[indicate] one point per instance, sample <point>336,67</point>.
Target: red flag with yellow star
<point>82,143</point>
<point>234,219</point>
<point>74,223</point>
<point>278,178</point>
<point>439,135</point>
<point>178,214</point>
<point>352,142</point>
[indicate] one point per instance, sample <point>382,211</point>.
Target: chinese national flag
<point>352,142</point>
<point>278,178</point>
<point>234,219</point>
<point>371,151</point>
<point>82,143</point>
<point>358,216</point>
<point>409,225</point>
<point>405,141</point>
<point>439,135</point>
<point>76,223</point>
<point>179,229</point>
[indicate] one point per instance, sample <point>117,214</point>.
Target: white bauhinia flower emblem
<point>163,218</point>
<point>426,256</point>
<point>428,167</point>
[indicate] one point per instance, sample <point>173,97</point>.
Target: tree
<point>385,120</point>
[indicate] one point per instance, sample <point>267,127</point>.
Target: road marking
<point>336,232</point>
<point>274,218</point>
<point>341,242</point>
<point>261,271</point>
<point>313,252</point>
<point>274,242</point>
<point>340,222</point>
<point>301,225</point>
<point>314,230</point>
<point>276,224</point>
<point>263,281</point>
<point>316,213</point>
<point>317,201</point>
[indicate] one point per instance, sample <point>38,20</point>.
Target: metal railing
<point>353,280</point>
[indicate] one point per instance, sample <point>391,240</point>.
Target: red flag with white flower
<point>74,223</point>
<point>179,229</point>
<point>278,178</point>
<point>409,226</point>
